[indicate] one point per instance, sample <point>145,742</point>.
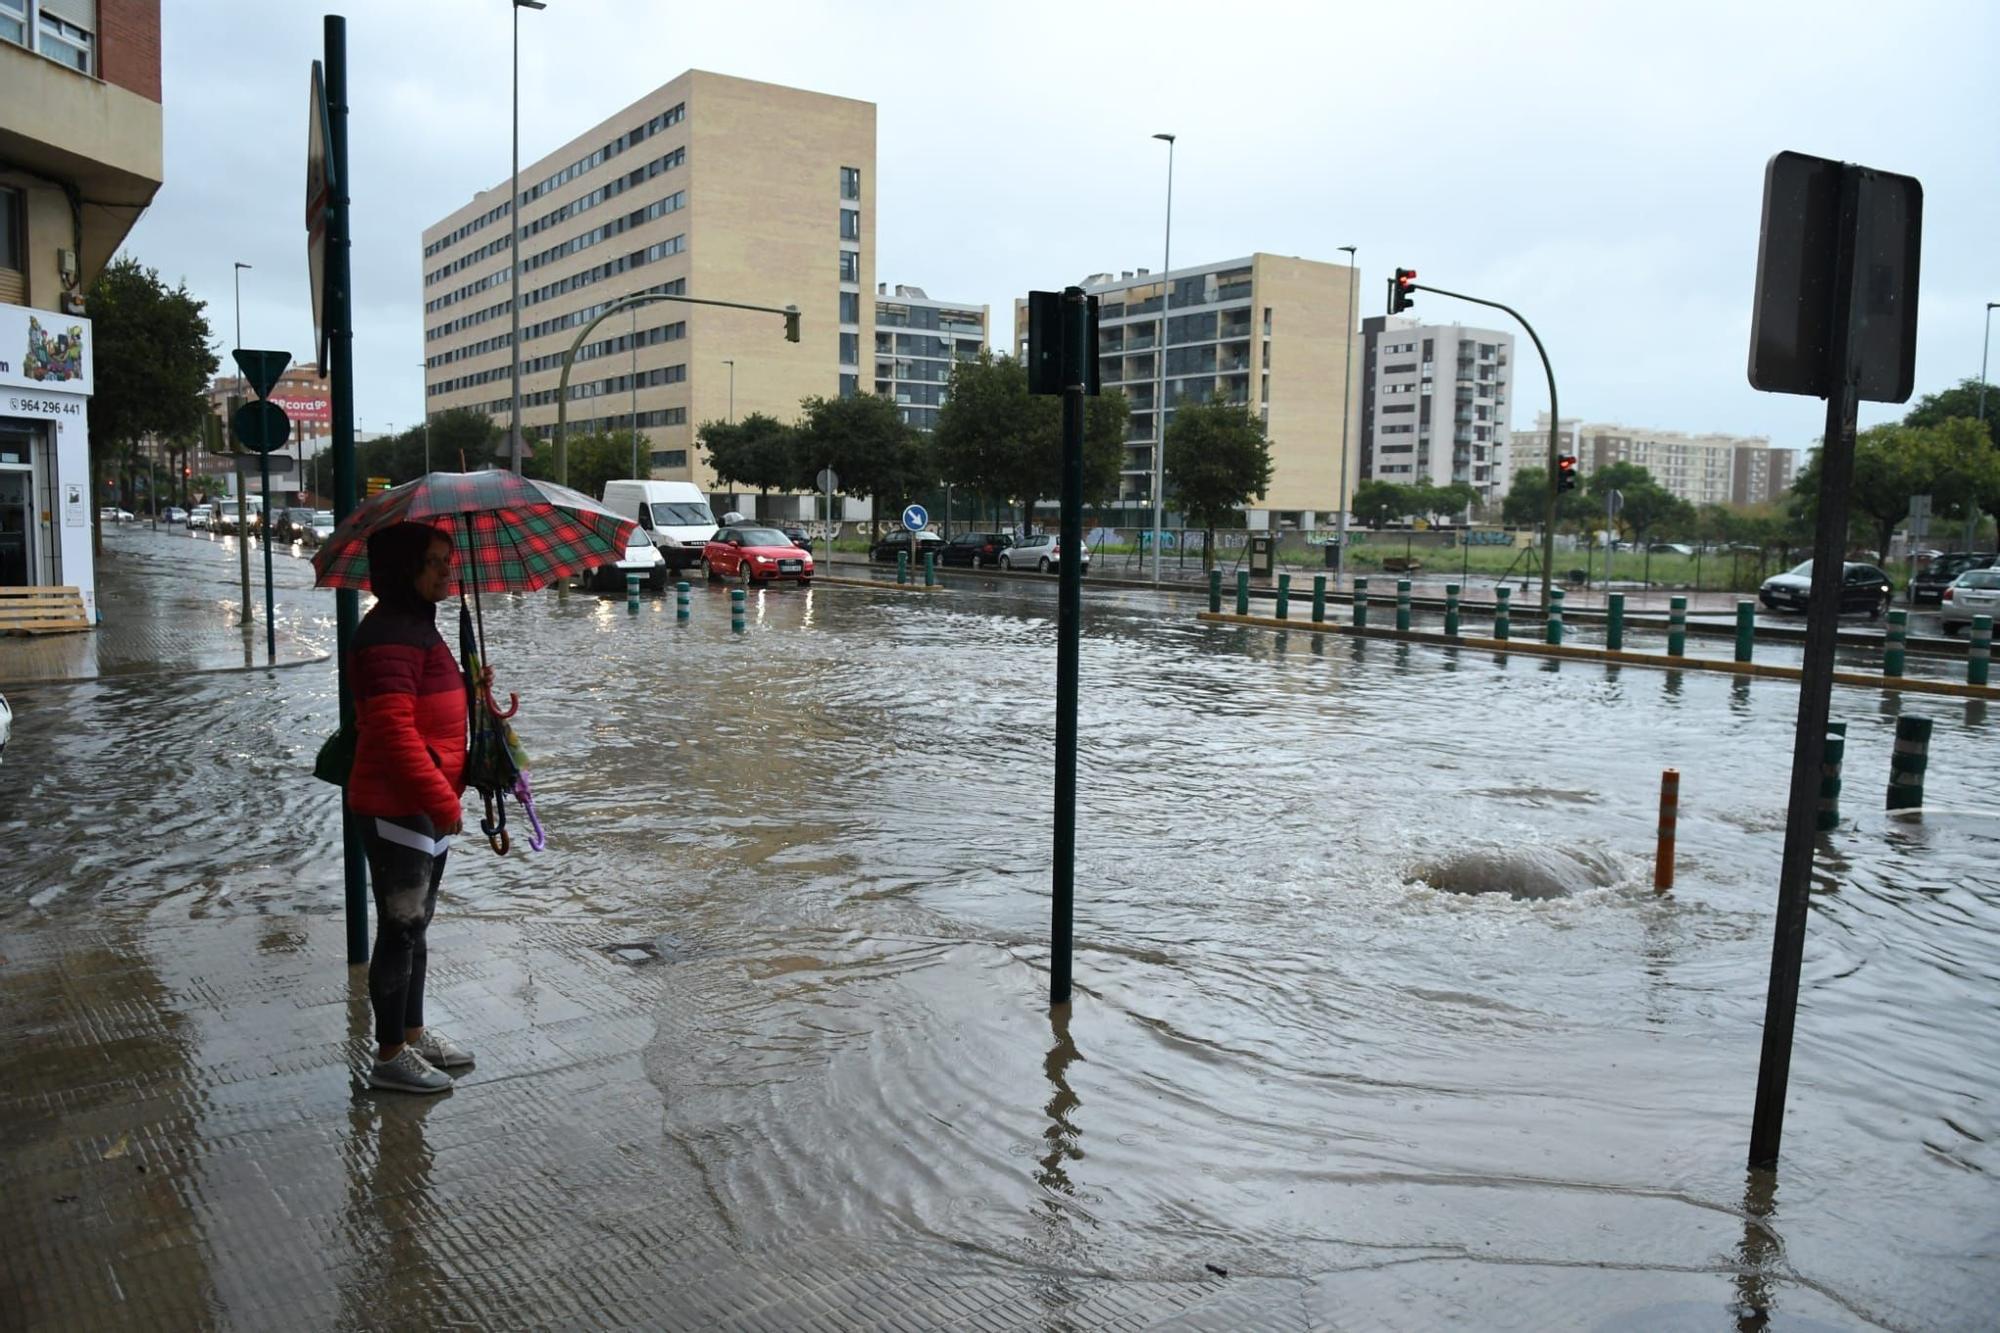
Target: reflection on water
<point>1298,1049</point>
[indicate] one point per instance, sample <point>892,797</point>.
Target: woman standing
<point>405,788</point>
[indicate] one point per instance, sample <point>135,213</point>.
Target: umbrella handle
<point>513,704</point>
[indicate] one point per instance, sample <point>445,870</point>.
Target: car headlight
<point>763,559</point>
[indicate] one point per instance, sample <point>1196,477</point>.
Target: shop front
<point>45,489</point>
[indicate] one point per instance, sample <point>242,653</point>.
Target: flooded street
<point>1289,1058</point>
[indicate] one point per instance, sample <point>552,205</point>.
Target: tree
<point>875,451</point>
<point>1961,400</point>
<point>152,362</point>
<point>1375,501</point>
<point>1217,459</point>
<point>995,438</point>
<point>1891,464</point>
<point>760,453</point>
<point>593,460</point>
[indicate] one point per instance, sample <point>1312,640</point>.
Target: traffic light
<point>1402,290</point>
<point>1565,473</point>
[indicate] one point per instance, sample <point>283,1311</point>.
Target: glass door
<point>17,496</point>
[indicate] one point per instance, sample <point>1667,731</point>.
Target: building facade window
<point>14,21</point>
<point>850,266</point>
<point>850,182</point>
<point>850,224</point>
<point>850,307</point>
<point>850,349</point>
<point>850,385</point>
<point>670,458</point>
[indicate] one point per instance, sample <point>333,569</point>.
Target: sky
<point>1597,166</point>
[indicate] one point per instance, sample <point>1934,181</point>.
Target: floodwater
<point>1288,1054</point>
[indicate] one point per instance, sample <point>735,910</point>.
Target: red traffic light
<point>1405,277</point>
<point>1402,290</point>
<point>1565,472</point>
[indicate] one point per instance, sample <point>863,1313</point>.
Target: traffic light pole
<point>1555,430</point>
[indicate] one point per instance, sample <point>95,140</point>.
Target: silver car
<point>1976,592</point>
<point>1039,551</point>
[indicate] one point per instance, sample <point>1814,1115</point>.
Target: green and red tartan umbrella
<point>513,534</point>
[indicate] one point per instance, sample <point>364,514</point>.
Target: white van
<point>676,513</point>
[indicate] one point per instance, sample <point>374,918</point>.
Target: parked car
<point>756,553</point>
<point>1039,551</point>
<point>1672,548</point>
<point>674,513</point>
<point>174,514</point>
<point>1976,592</point>
<point>642,557</point>
<point>975,548</point>
<point>885,549</point>
<point>1931,581</point>
<point>113,514</point>
<point>6,723</point>
<point>1863,588</point>
<point>322,525</point>
<point>797,535</point>
<point>200,518</point>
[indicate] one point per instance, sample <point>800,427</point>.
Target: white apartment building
<point>1701,469</point>
<point>1435,404</point>
<point>917,341</point>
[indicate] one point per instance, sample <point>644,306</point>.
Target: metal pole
<point>1815,684</point>
<point>242,482</point>
<point>270,607</point>
<point>731,363</point>
<point>1077,352</point>
<point>1160,355</point>
<point>340,351</point>
<point>240,266</point>
<point>635,391</point>
<point>514,246</point>
<point>1346,411</point>
<point>427,422</point>
<point>1985,345</point>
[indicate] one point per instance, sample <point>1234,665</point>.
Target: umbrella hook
<point>479,619</point>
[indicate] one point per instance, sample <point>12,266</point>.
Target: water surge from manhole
<point>1534,873</point>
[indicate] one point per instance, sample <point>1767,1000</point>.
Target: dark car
<point>1939,574</point>
<point>798,535</point>
<point>975,549</point>
<point>885,549</point>
<point>1863,588</point>
<point>291,525</point>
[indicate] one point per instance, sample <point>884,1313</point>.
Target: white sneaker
<point>441,1050</point>
<point>408,1072</point>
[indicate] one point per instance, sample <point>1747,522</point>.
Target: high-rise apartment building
<point>1435,404</point>
<point>1267,332</point>
<point>917,340</point>
<point>710,187</point>
<point>1701,469</point>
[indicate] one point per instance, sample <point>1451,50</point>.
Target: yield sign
<point>319,203</point>
<point>261,369</point>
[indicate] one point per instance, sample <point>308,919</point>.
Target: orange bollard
<point>1670,801</point>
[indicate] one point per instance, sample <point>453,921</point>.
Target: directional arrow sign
<point>261,426</point>
<point>261,369</point>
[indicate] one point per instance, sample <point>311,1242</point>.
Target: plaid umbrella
<point>513,534</point>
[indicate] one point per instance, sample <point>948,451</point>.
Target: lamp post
<point>1985,345</point>
<point>1160,354</point>
<point>514,246</point>
<point>1346,411</point>
<point>731,363</point>
<point>635,391</point>
<point>240,266</point>
<point>427,422</point>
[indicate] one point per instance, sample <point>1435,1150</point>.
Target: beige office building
<point>1267,332</point>
<point>710,187</point>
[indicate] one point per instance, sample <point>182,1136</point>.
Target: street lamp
<point>240,266</point>
<point>514,242</point>
<point>732,388</point>
<point>1160,353</point>
<point>1984,345</point>
<point>1346,410</point>
<point>635,391</point>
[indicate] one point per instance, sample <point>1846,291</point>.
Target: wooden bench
<point>1401,564</point>
<point>42,610</point>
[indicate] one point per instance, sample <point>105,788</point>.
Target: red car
<point>755,554</point>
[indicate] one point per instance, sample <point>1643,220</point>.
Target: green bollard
<point>1895,640</point>
<point>1215,591</point>
<point>736,609</point>
<point>1451,609</point>
<point>1403,605</point>
<point>681,602</point>
<point>1554,632</point>
<point>1614,623</point>
<point>1242,592</point>
<point>1502,603</point>
<point>1979,656</point>
<point>1319,598</point>
<point>902,566</point>
<point>1284,596</point>
<point>632,593</point>
<point>1361,603</point>
<point>1829,781</point>
<point>1746,629</point>
<point>1677,627</point>
<point>930,569</point>
<point>1908,761</point>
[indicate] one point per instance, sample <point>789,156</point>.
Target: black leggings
<point>405,866</point>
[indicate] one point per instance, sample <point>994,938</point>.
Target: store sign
<point>315,409</point>
<point>45,353</point>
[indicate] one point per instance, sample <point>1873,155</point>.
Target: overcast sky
<point>1598,166</point>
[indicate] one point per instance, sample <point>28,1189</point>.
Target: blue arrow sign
<point>915,519</point>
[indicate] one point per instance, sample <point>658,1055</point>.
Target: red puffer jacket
<point>409,755</point>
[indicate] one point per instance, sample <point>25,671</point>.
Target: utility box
<point>1263,556</point>
<point>1333,554</point>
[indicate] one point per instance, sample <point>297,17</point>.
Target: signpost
<point>262,427</point>
<point>915,520</point>
<point>1835,318</point>
<point>319,205</point>
<point>829,482</point>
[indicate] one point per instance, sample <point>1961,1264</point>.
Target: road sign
<point>261,426</point>
<point>377,485</point>
<point>252,465</point>
<point>1792,326</point>
<point>319,201</point>
<point>261,368</point>
<point>829,480</point>
<point>1045,348</point>
<point>915,519</point>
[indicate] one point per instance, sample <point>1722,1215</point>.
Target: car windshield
<point>639,538</point>
<point>762,537</point>
<point>1980,578</point>
<point>695,515</point>
<point>1803,571</point>
<point>323,518</point>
